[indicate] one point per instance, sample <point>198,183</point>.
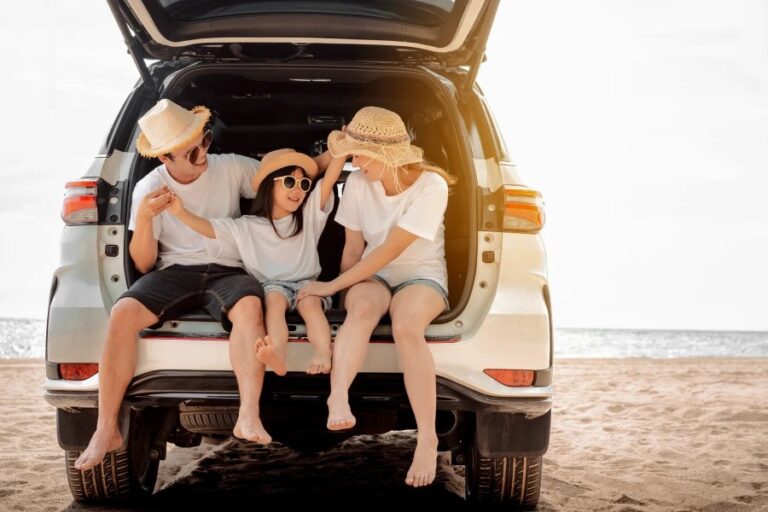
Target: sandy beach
<point>628,435</point>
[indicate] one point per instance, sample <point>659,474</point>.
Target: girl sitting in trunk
<point>277,243</point>
<point>393,260</point>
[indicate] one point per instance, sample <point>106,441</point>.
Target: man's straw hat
<point>167,126</point>
<point>377,133</point>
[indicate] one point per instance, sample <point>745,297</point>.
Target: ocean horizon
<point>25,338</point>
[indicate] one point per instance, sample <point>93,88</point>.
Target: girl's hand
<point>318,288</point>
<point>176,206</point>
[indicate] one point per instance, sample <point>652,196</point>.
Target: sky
<point>643,123</point>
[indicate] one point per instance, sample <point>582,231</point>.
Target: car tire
<point>126,474</point>
<point>511,481</point>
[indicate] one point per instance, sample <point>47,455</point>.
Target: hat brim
<point>201,117</point>
<point>284,158</point>
<point>339,144</point>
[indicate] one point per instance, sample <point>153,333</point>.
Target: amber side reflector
<point>523,209</point>
<point>511,378</point>
<point>78,371</point>
<point>80,203</point>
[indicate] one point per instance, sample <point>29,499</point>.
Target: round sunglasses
<point>193,155</point>
<point>290,182</point>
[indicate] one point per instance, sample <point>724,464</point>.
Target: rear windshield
<point>427,13</point>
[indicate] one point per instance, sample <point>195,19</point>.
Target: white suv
<point>281,74</point>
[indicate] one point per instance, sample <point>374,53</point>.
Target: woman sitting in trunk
<point>277,244</point>
<point>393,260</point>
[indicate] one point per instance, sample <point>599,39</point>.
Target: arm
<point>353,249</point>
<point>397,241</point>
<point>323,160</point>
<point>329,180</point>
<point>199,224</point>
<point>143,246</point>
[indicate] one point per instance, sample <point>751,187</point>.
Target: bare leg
<point>412,310</point>
<point>318,332</point>
<point>271,350</point>
<point>247,325</point>
<point>118,362</point>
<point>366,303</point>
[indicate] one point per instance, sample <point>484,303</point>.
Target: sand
<point>628,435</point>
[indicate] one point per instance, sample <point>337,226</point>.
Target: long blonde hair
<point>424,166</point>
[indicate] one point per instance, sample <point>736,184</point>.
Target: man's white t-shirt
<point>267,256</point>
<point>216,193</point>
<point>419,209</point>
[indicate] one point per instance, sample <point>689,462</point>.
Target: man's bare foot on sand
<point>424,465</point>
<point>340,416</point>
<point>321,362</point>
<point>271,354</point>
<point>249,428</point>
<point>103,441</point>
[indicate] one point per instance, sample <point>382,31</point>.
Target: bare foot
<point>321,362</point>
<point>251,429</point>
<point>424,465</point>
<point>271,355</point>
<point>340,416</point>
<point>103,441</point>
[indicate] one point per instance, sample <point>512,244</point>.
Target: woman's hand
<point>317,288</point>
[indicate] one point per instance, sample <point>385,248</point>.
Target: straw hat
<point>377,133</point>
<point>167,126</point>
<point>285,157</point>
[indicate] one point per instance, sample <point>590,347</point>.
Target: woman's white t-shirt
<point>419,209</point>
<point>216,193</point>
<point>267,256</point>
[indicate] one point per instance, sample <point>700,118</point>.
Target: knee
<point>362,309</point>
<point>248,307</point>
<point>128,313</point>
<point>405,330</point>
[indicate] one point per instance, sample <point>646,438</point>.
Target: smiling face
<point>372,169</point>
<point>179,165</point>
<point>286,201</point>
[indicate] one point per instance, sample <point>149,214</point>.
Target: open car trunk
<point>258,108</point>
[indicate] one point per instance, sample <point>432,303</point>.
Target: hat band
<point>372,139</point>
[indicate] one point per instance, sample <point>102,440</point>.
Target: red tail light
<point>511,378</point>
<point>523,209</point>
<point>80,203</point>
<point>78,371</point>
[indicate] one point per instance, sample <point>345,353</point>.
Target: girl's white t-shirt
<point>419,209</point>
<point>267,256</point>
<point>216,193</point>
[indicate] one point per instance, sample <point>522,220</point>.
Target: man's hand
<point>154,203</point>
<point>175,206</point>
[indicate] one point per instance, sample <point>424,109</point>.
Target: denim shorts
<point>174,290</point>
<point>289,290</point>
<point>419,280</point>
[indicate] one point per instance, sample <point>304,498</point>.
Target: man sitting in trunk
<point>179,273</point>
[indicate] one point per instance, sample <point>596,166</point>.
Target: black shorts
<point>171,291</point>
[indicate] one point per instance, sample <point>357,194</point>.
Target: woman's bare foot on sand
<point>424,465</point>
<point>321,362</point>
<point>271,355</point>
<point>103,441</point>
<point>249,427</point>
<point>340,416</point>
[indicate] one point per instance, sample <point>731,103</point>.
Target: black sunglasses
<point>290,182</point>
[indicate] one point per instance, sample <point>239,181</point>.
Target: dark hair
<point>263,202</point>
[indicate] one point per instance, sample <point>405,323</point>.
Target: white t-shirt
<point>419,209</point>
<point>216,193</point>
<point>266,256</point>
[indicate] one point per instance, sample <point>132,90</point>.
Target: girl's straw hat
<point>167,126</point>
<point>279,158</point>
<point>377,133</point>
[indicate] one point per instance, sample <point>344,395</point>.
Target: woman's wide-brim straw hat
<point>377,133</point>
<point>284,157</point>
<point>168,126</point>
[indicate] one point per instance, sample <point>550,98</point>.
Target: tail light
<point>78,371</point>
<point>511,378</point>
<point>80,203</point>
<point>523,209</point>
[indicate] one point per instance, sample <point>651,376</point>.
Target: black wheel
<point>512,481</point>
<point>208,419</point>
<point>123,474</point>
